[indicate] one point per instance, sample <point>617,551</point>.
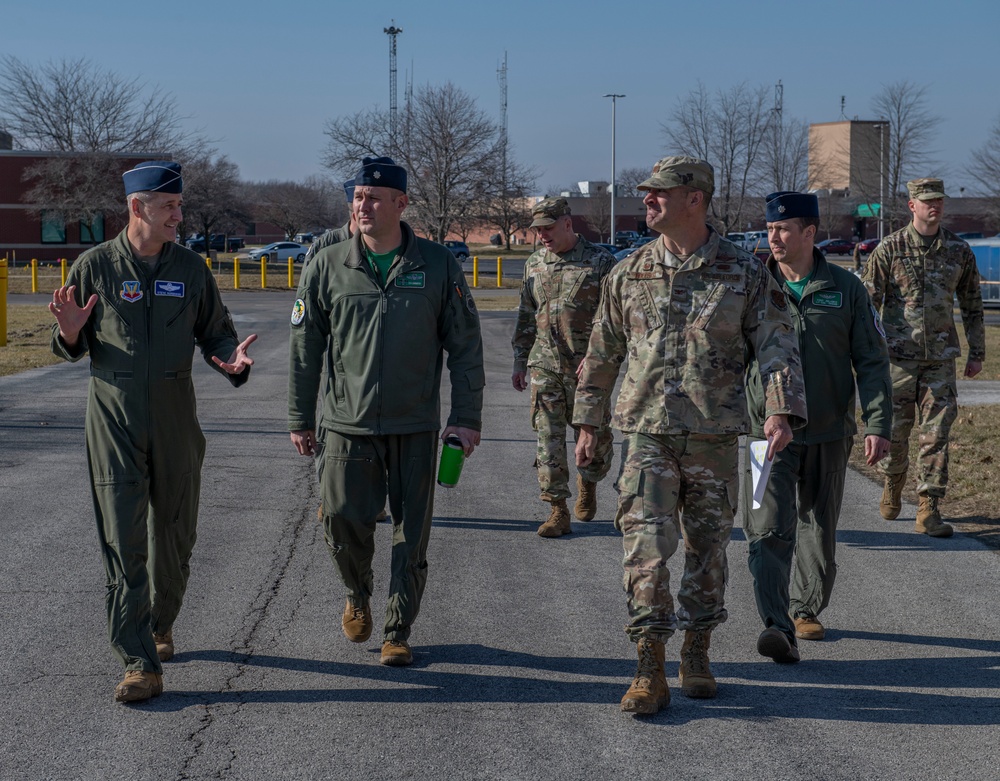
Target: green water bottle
<point>452,458</point>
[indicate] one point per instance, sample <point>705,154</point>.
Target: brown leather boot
<point>138,686</point>
<point>586,500</point>
<point>164,645</point>
<point>648,692</point>
<point>396,653</point>
<point>357,622</point>
<point>696,677</point>
<point>892,496</point>
<point>929,519</point>
<point>557,523</point>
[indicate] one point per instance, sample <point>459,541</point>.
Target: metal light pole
<point>881,180</point>
<point>614,99</point>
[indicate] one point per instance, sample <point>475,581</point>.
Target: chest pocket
<point>576,286</point>
<point>642,309</point>
<point>718,311</point>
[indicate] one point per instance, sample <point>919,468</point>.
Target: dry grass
<point>991,366</point>
<point>29,329</point>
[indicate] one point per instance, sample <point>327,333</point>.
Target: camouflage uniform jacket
<point>384,346</point>
<point>839,337</point>
<point>685,327</point>
<point>914,287</point>
<point>332,236</point>
<point>559,298</point>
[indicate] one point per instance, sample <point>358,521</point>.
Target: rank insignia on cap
<point>782,209</point>
<point>377,174</point>
<point>298,311</point>
<point>131,291</point>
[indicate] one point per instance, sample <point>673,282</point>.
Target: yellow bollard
<point>34,275</point>
<point>475,271</point>
<point>3,302</point>
<point>291,274</point>
<point>263,271</point>
<point>62,269</point>
<point>208,262</point>
<point>236,273</point>
<point>499,272</point>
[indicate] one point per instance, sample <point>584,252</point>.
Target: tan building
<point>846,156</point>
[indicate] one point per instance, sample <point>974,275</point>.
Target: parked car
<point>836,247</point>
<point>736,238</point>
<point>280,250</point>
<point>218,241</point>
<point>753,241</point>
<point>621,254</point>
<point>867,245</point>
<point>642,240</point>
<point>625,238</point>
<point>609,247</point>
<point>969,235</point>
<point>459,249</point>
<point>305,238</point>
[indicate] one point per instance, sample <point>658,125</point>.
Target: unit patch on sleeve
<point>298,311</point>
<point>163,288</point>
<point>878,322</point>
<point>830,298</point>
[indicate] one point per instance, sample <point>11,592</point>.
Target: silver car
<point>280,250</point>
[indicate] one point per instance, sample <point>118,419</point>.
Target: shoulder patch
<point>778,299</point>
<point>298,311</point>
<point>878,321</point>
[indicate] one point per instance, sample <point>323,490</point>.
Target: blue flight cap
<point>786,204</point>
<point>349,190</point>
<point>381,172</point>
<point>153,176</point>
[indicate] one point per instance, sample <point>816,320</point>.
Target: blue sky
<point>263,78</point>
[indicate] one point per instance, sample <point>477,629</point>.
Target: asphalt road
<point>520,655</point>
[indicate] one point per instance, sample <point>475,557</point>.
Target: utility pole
<point>779,158</point>
<point>502,79</point>
<point>614,99</point>
<point>392,31</point>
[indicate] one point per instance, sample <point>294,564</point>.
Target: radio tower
<point>392,31</point>
<point>502,78</point>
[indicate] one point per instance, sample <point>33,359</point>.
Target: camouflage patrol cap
<point>681,171</point>
<point>925,189</point>
<point>547,211</point>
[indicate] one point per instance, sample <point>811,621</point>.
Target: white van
<point>755,240</point>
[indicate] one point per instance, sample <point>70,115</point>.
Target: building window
<point>53,228</point>
<point>93,233</point>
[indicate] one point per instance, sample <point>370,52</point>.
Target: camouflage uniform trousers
<point>551,412</point>
<point>672,485</point>
<point>923,392</point>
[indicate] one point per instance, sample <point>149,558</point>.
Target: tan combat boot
<point>138,686</point>
<point>929,519</point>
<point>357,622</point>
<point>648,692</point>
<point>557,523</point>
<point>164,645</point>
<point>892,496</point>
<point>695,675</point>
<point>586,500</point>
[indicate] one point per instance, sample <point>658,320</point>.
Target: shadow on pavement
<point>820,690</point>
<point>596,528</point>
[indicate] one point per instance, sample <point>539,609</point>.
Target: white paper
<point>760,468</point>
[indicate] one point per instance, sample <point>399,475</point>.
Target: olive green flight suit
<point>144,444</point>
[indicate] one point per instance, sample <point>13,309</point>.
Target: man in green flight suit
<point>840,338</point>
<point>381,311</point>
<point>138,304</point>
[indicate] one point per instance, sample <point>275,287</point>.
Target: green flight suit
<point>144,444</point>
<point>840,342</point>
<point>383,347</point>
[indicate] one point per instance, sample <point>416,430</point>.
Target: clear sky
<point>263,78</point>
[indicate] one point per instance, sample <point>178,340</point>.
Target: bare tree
<point>728,129</point>
<point>985,171</point>
<point>212,196</point>
<point>629,179</point>
<point>445,143</point>
<point>912,128</point>
<point>785,155</point>
<point>598,216</point>
<point>96,118</point>
<point>73,106</point>
<point>503,191</point>
<point>293,206</point>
